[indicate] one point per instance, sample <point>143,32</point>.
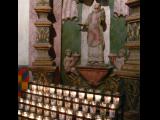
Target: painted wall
<point>118,31</point>
<point>23,32</point>
<point>71,38</point>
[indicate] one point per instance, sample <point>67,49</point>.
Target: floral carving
<point>42,34</point>
<point>133,31</point>
<point>132,89</point>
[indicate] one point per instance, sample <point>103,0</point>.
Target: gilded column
<point>43,66</point>
<point>130,71</point>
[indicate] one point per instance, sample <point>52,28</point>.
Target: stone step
<point>128,74</point>
<point>137,62</point>
<point>131,67</point>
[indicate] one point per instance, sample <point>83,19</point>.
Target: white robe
<point>120,8</point>
<point>69,10</point>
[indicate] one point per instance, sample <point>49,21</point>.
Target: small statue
<point>70,62</point>
<point>67,60</point>
<point>120,59</point>
<point>95,25</point>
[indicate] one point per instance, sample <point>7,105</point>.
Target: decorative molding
<point>133,3</point>
<point>133,18</point>
<point>42,67</point>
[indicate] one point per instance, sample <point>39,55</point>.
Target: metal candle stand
<point>80,103</point>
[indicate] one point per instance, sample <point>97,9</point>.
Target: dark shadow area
<point>104,25</point>
<point>87,2</point>
<point>51,16</point>
<point>52,35</point>
<point>90,2</point>
<point>103,2</point>
<point>52,53</point>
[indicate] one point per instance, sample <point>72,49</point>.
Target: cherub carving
<point>120,59</point>
<point>70,62</point>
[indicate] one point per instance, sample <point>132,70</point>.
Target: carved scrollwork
<point>42,34</point>
<point>133,31</point>
<point>132,94</point>
<point>41,77</point>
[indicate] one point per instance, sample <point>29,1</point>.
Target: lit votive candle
<point>46,100</point>
<point>107,97</point>
<point>75,105</point>
<point>46,118</point>
<point>34,92</point>
<point>112,111</point>
<point>46,113</point>
<point>21,106</point>
<point>34,87</point>
<point>40,88</point>
<point>52,91</point>
<point>79,115</point>
<point>46,106</point>
<point>46,89</point>
<point>27,107</point>
<point>59,92</point>
<point>53,113</point>
<point>33,103</point>
<point>90,95</point>
<point>88,116</point>
<point>27,101</point>
<point>40,92</point>
<point>19,112</point>
<point>98,117</point>
<point>25,114</point>
<point>53,96</point>
<point>97,96</point>
<point>81,94</point>
<point>67,103</point>
<point>53,101</point>
<point>65,93</point>
<point>34,97</point>
<point>39,111</point>
<point>116,99</point>
<point>69,114</point>
<point>40,98</point>
<point>85,107</point>
<point>107,118</point>
<point>93,108</point>
<point>28,91</point>
<point>39,117</point>
<point>20,99</point>
<point>28,96</point>
<point>73,94</point>
<point>59,102</point>
<point>46,94</point>
<point>32,109</point>
<point>39,104</point>
<point>103,110</point>
<point>61,115</point>
<point>31,116</point>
